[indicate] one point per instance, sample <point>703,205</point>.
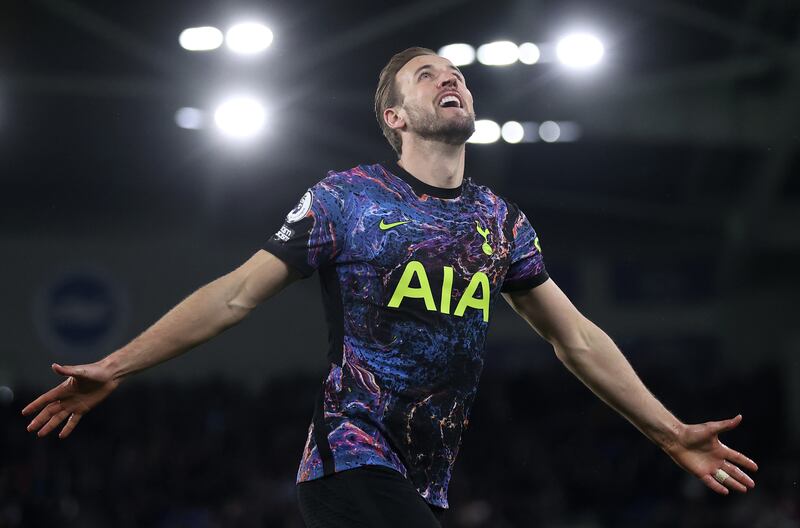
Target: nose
<point>449,79</point>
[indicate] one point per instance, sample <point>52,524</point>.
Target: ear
<point>394,119</point>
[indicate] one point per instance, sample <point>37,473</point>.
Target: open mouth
<point>450,101</point>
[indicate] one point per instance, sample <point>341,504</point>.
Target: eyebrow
<point>425,66</point>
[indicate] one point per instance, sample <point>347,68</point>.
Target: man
<point>412,256</point>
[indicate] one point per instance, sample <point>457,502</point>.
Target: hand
<point>85,387</point>
<point>699,451</point>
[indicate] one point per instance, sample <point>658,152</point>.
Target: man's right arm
<point>204,314</point>
<point>207,312</point>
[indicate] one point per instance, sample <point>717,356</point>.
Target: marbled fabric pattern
<point>408,374</point>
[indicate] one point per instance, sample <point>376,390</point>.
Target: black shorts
<point>365,497</point>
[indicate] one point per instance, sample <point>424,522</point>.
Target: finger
<point>68,370</point>
<point>70,425</point>
<point>44,416</point>
<point>53,423</point>
<point>42,400</point>
<point>734,484</point>
<point>738,458</point>
<point>727,425</point>
<point>738,474</point>
<point>709,481</point>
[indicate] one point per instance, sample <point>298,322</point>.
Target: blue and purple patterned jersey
<point>410,274</point>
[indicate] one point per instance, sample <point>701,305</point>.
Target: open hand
<point>699,451</point>
<point>85,387</point>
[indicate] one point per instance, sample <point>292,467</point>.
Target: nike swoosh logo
<point>385,226</point>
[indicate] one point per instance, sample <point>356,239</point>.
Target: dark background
<point>673,223</point>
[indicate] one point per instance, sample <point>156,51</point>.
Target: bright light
<point>189,118</point>
<point>549,131</point>
<point>458,54</point>
<point>486,131</point>
<point>240,117</point>
<point>200,38</point>
<point>248,38</point>
<point>579,50</point>
<point>529,53</point>
<point>498,53</point>
<point>512,132</point>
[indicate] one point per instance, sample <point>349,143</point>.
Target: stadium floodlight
<point>248,38</point>
<point>486,131</point>
<point>512,132</point>
<point>458,54</point>
<point>189,118</point>
<point>240,117</point>
<point>200,38</point>
<point>579,50</point>
<point>500,53</point>
<point>549,131</point>
<point>529,53</point>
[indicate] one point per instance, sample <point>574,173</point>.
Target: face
<point>436,103</point>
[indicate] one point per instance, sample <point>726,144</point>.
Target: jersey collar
<point>419,186</point>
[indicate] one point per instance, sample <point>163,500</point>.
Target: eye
<point>421,75</point>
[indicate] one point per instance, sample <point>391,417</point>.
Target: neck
<point>434,163</point>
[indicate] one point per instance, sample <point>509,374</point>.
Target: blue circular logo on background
<point>80,314</point>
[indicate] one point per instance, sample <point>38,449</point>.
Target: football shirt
<point>409,274</point>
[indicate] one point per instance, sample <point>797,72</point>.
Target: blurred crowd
<point>540,450</point>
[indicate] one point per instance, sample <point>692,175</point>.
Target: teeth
<point>448,98</point>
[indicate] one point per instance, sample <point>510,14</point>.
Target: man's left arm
<point>594,358</point>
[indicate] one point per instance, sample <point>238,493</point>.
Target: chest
<point>444,237</point>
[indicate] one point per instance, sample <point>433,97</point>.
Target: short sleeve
<point>527,269</point>
<point>312,233</point>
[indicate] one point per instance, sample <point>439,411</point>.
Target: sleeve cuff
<point>291,260</point>
<point>525,284</point>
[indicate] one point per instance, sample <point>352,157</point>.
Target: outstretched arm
<point>594,358</point>
<point>204,314</point>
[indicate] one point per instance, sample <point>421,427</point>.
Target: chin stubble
<point>453,131</point>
